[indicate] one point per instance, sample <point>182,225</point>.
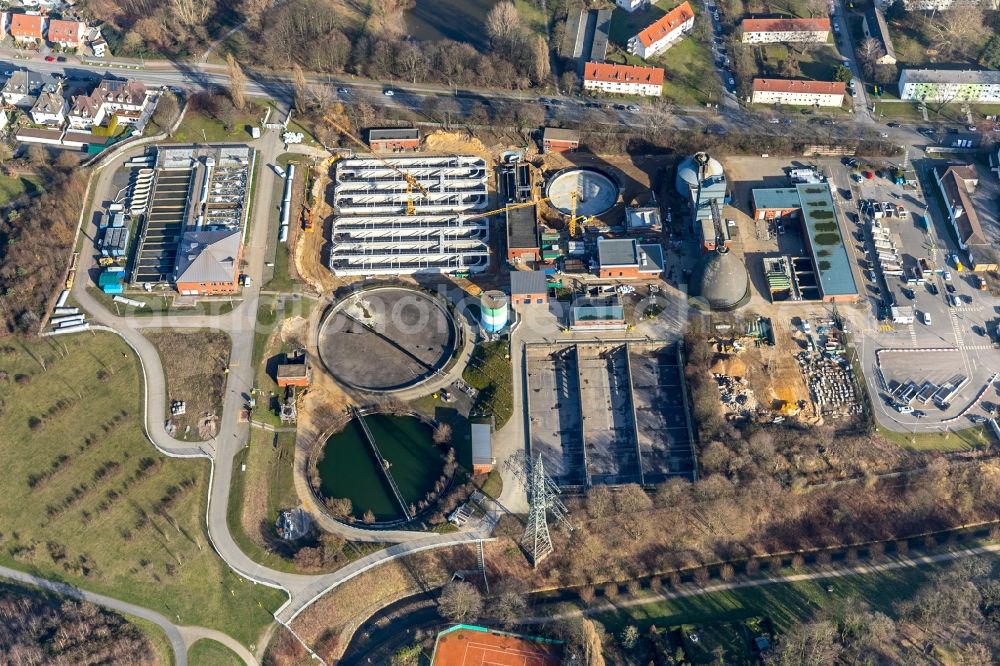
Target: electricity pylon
<point>543,499</point>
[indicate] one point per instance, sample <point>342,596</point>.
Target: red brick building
<point>626,258</point>
<point>394,140</point>
<point>556,140</point>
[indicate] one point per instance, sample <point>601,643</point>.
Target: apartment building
<point>798,93</point>
<point>943,85</point>
<point>623,79</point>
<point>773,31</point>
<point>663,33</point>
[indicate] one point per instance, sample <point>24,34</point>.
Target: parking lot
<point>951,316</point>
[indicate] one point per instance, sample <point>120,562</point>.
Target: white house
<point>945,85</point>
<point>632,5</point>
<point>661,35</point>
<point>49,108</point>
<point>124,99</point>
<point>798,93</point>
<point>623,79</point>
<point>22,88</point>
<point>771,31</point>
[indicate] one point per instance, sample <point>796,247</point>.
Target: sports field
<point>479,647</point>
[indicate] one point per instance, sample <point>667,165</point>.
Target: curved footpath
<point>240,324</point>
<point>174,633</point>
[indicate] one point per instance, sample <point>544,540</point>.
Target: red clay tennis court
<point>475,646</point>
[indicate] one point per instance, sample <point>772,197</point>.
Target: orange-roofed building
<point>663,33</point>
<point>67,34</point>
<point>771,31</point>
<point>798,93</point>
<point>27,27</point>
<point>623,79</point>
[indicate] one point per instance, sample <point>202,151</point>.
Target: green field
<point>975,437</point>
<point>198,126</point>
<point>88,500</point>
<point>716,617</point>
<point>12,187</point>
<point>489,371</point>
<point>206,652</point>
<point>268,461</point>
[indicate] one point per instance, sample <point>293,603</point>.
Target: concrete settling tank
<point>495,310</point>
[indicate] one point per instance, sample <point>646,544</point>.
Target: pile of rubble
<point>831,383</point>
<point>736,395</point>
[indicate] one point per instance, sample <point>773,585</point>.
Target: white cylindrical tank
<point>494,307</point>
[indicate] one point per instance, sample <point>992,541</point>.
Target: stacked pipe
<point>286,205</point>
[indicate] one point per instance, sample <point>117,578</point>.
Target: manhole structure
<point>386,339</point>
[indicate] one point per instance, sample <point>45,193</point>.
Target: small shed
<point>482,448</point>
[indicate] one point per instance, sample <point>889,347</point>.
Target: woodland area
<point>37,628</point>
<point>35,238</point>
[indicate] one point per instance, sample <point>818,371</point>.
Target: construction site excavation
<point>386,339</point>
<point>608,413</point>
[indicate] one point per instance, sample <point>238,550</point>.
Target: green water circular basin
<point>348,466</point>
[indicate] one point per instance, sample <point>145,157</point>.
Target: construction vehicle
<point>71,275</point>
<point>412,184</point>
<point>105,262</point>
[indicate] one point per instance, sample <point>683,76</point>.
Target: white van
<point>926,317</point>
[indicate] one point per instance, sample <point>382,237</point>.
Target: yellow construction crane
<point>411,181</point>
<point>572,217</point>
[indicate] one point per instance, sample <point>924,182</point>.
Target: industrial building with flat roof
<point>192,231</point>
<point>813,203</point>
<point>629,259</point>
<point>385,225</point>
<point>528,287</point>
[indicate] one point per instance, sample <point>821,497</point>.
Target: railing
<point>382,463</point>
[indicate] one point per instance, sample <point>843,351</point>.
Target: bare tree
<point>460,602</point>
<point>503,24</point>
<point>191,12</point>
<point>301,89</point>
<point>237,83</point>
<point>442,434</point>
<point>541,70</point>
<point>956,30</point>
<point>869,51</point>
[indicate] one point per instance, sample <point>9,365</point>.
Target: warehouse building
<point>191,235</point>
<point>394,140</point>
<point>409,215</point>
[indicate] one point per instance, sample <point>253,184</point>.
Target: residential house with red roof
<point>777,30</point>
<point>663,33</point>
<point>67,34</point>
<point>27,27</point>
<point>958,184</point>
<point>623,79</point>
<point>798,93</point>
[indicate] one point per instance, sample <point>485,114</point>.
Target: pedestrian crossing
<point>977,347</point>
<point>956,328</point>
<point>913,334</point>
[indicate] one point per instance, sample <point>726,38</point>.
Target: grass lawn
<point>198,126</point>
<point>259,493</point>
<point>975,437</point>
<point>206,652</point>
<point>690,76</point>
<point>782,604</point>
<point>12,187</point>
<point>89,501</point>
<point>531,15</point>
<point>489,371</point>
<point>267,346</point>
<point>160,304</point>
<point>198,380</point>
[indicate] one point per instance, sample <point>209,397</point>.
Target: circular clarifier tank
<point>596,192</point>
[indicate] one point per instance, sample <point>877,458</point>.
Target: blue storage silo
<point>494,307</point>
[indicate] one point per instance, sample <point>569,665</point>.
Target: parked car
<point>389,93</point>
<point>774,121</point>
<point>61,59</point>
<point>892,125</point>
<point>950,288</point>
<point>343,91</point>
<point>50,58</point>
<point>632,107</point>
